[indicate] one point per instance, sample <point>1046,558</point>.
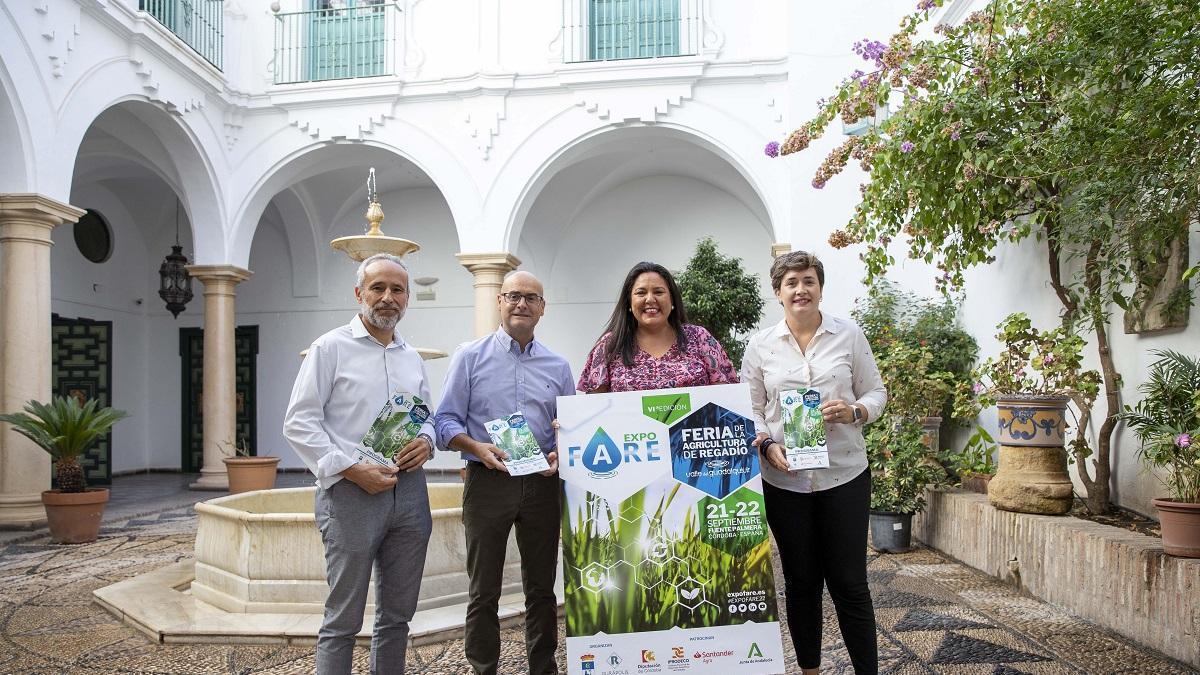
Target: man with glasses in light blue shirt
<point>370,515</point>
<point>494,377</point>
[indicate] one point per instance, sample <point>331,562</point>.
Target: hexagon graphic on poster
<point>711,451</point>
<point>735,524</point>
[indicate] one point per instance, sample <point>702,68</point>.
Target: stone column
<point>220,391</point>
<point>26,221</point>
<point>779,249</point>
<point>489,270</point>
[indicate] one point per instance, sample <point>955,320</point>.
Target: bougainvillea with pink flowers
<point>1069,125</point>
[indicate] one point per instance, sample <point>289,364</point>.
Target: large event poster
<point>666,555</point>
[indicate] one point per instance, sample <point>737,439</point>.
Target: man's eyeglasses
<point>515,298</point>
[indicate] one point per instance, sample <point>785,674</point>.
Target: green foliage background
<point>722,297</point>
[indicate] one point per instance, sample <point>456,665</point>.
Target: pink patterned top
<point>704,363</point>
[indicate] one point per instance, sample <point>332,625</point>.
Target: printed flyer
<point>511,434</point>
<point>666,553</point>
<point>803,429</point>
<point>396,425</point>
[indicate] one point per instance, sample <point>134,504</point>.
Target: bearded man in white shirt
<point>369,515</point>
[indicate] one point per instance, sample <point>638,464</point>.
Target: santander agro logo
<point>602,456</point>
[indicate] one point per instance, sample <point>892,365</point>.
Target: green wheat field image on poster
<point>666,552</point>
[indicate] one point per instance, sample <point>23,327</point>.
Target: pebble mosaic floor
<point>934,616</point>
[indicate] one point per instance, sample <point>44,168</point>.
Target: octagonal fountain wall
<point>261,552</point>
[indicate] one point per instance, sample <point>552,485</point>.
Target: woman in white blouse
<point>818,516</point>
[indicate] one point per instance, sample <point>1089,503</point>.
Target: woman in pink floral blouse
<point>648,343</point>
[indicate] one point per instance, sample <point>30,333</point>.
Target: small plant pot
<point>976,482</point>
<point>250,473</point>
<point>1180,523</point>
<point>74,517</point>
<point>891,532</point>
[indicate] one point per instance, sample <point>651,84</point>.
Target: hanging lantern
<point>175,284</point>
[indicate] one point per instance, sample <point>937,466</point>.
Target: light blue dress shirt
<point>343,383</point>
<point>492,378</point>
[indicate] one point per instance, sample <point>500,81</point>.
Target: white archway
<point>167,144</point>
<point>267,175</point>
<point>573,133</point>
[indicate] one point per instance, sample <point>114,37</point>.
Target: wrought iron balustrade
<point>339,40</point>
<point>199,23</point>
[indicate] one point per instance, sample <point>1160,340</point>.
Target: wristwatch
<point>857,413</point>
<point>428,439</point>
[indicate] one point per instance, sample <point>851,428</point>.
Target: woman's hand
<point>837,411</point>
<point>774,453</point>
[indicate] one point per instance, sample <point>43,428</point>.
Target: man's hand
<point>412,456</point>
<point>491,456</point>
<point>372,478</point>
<point>552,460</point>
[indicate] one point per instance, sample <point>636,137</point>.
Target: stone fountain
<point>258,575</point>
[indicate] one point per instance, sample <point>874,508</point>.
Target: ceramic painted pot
<point>1031,475</point>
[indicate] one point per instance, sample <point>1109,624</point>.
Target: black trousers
<point>822,540</point>
<point>493,502</point>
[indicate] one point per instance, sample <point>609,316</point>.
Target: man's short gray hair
<point>361,274</point>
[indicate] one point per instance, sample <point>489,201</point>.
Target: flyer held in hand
<point>666,556</point>
<point>803,429</point>
<point>394,427</point>
<point>512,435</point>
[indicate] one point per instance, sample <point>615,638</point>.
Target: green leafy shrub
<point>900,466</point>
<point>722,297</point>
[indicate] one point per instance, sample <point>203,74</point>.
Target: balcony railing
<point>337,43</point>
<point>199,23</point>
<point>605,30</point>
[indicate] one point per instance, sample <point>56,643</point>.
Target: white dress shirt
<point>343,383</point>
<point>839,364</point>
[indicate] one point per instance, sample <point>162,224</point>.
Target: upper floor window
<point>604,30</point>
<point>336,39</point>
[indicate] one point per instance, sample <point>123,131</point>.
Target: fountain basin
<point>261,552</point>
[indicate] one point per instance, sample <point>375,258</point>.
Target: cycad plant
<point>1167,422</point>
<point>66,430</point>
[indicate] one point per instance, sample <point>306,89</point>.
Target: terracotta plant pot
<point>250,473</point>
<point>1180,527</point>
<point>976,482</point>
<point>74,517</point>
<point>1031,476</point>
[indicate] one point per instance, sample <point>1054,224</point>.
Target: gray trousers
<point>493,502</point>
<point>389,532</point>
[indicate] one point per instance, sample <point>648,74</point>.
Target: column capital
<point>502,262</point>
<point>38,207</point>
<point>489,270</point>
<point>218,273</point>
<point>779,248</point>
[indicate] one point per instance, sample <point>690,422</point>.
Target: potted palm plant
<point>900,473</point>
<point>66,429</point>
<point>1167,422</point>
<point>246,471</point>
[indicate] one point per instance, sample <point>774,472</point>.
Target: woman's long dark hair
<point>622,327</point>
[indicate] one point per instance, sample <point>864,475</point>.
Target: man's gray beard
<point>375,319</point>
